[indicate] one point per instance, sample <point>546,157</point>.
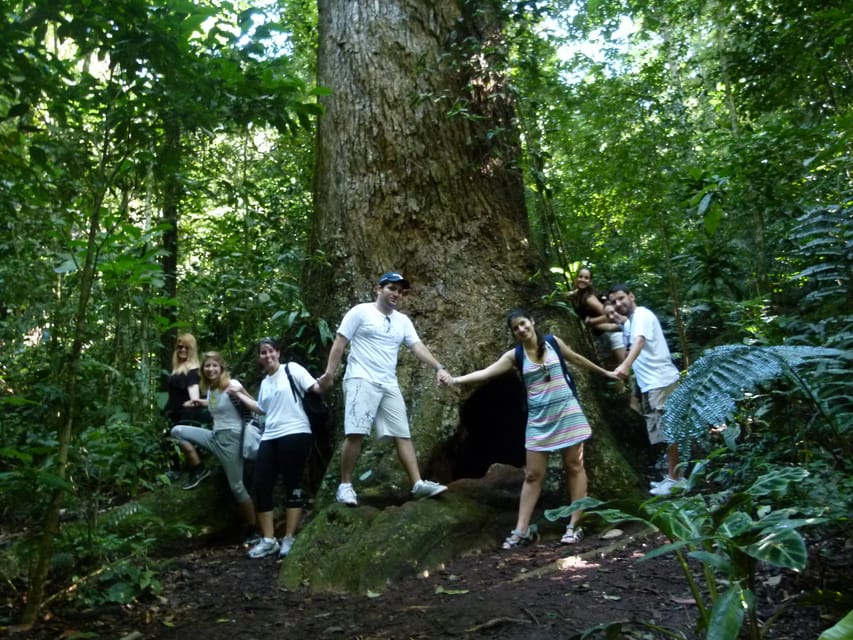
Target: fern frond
<point>122,512</point>
<point>718,380</point>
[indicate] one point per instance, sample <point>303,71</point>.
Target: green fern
<point>716,382</point>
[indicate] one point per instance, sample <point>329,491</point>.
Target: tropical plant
<point>712,388</point>
<point>729,533</point>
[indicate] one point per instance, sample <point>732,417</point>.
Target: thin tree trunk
<point>169,160</point>
<point>71,373</point>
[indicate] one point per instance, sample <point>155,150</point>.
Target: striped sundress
<point>554,416</point>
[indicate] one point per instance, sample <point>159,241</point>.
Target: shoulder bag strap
<point>553,342</point>
<point>296,395</point>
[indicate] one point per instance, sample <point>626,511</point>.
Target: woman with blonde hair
<point>224,441</point>
<point>183,383</point>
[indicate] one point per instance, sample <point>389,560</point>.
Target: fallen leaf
<point>450,592</point>
<point>611,533</point>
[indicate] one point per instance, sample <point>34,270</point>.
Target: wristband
<point>439,367</point>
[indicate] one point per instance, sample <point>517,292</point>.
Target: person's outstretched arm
<point>500,366</point>
<point>336,354</point>
<point>423,354</point>
<point>581,361</point>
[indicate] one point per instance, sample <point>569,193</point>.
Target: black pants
<point>285,456</point>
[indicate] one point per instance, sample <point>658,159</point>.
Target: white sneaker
<point>286,545</point>
<point>265,547</point>
<point>427,489</point>
<point>346,495</point>
<point>664,488</point>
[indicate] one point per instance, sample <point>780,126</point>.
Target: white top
<point>222,410</point>
<point>653,367</point>
<point>284,413</point>
<point>375,341</point>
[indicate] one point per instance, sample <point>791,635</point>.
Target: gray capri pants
<point>225,445</point>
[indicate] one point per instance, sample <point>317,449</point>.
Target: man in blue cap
<point>375,331</point>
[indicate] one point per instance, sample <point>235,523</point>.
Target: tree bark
<point>417,171</point>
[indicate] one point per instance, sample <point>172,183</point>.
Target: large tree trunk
<point>417,171</point>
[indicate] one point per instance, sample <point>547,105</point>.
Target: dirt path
<point>541,591</point>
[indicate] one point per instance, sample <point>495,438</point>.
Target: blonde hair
<point>222,382</point>
<point>185,340</point>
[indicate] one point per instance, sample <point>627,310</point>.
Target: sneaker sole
<point>431,494</point>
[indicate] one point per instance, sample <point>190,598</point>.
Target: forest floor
<point>537,592</point>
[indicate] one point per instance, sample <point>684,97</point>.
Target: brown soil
<point>542,591</point>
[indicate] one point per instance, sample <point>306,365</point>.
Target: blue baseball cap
<point>393,276</point>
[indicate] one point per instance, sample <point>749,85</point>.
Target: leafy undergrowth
<point>542,591</point>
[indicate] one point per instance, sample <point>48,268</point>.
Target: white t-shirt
<point>375,341</point>
<point>284,413</point>
<point>653,367</point>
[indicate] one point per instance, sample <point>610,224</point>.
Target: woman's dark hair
<point>270,341</point>
<point>540,339</point>
<point>580,301</point>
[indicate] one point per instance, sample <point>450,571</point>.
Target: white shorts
<point>369,404</point>
<point>609,341</point>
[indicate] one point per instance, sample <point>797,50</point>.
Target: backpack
<point>315,407</point>
<point>549,338</point>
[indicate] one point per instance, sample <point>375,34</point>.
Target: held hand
<point>620,372</point>
<point>325,382</point>
<point>444,377</point>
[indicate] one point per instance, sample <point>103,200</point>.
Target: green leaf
<point>715,560</point>
<point>727,615</point>
<point>737,523</point>
<point>782,547</point>
<point>843,630</point>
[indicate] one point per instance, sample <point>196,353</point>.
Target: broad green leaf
<point>843,630</point>
<point>715,560</point>
<point>777,481</point>
<point>736,524</point>
<point>565,511</point>
<point>727,615</point>
<point>782,547</point>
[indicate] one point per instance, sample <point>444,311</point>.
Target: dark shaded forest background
<point>156,168</point>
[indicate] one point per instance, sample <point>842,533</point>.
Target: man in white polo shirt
<point>375,331</point>
<point>656,375</point>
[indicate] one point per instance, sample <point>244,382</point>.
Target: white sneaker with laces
<point>664,488</point>
<point>346,495</point>
<point>265,547</point>
<point>286,546</point>
<point>427,489</point>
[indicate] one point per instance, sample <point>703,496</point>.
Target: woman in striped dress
<point>555,421</point>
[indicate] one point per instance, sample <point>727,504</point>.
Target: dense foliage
<point>155,175</point>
